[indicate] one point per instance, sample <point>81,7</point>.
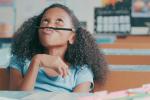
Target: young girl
<point>52,52</point>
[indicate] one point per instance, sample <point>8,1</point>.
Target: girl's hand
<point>53,62</point>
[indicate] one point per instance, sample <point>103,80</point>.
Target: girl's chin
<point>53,45</point>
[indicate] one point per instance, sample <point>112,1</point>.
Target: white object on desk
<point>5,98</point>
<point>55,96</point>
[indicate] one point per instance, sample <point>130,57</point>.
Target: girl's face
<point>55,17</point>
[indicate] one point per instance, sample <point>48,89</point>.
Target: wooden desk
<point>4,79</point>
<point>128,59</point>
<point>120,80</point>
<point>117,80</point>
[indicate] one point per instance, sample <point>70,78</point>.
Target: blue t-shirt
<point>44,82</point>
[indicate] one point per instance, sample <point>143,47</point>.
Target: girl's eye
<point>44,22</point>
<point>59,22</point>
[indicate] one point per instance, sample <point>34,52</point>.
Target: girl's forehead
<point>56,12</point>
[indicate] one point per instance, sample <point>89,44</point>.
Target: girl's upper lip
<point>47,31</point>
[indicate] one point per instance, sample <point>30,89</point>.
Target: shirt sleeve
<point>16,63</point>
<point>85,74</point>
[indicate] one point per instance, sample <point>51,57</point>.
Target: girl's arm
<point>83,87</point>
<point>17,82</point>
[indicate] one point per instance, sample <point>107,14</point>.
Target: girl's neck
<point>57,51</point>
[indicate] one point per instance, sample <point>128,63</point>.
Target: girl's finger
<point>64,71</point>
<point>60,71</point>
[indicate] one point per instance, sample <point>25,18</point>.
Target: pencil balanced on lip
<point>58,28</point>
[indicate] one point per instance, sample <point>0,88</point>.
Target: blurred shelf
<point>128,59</point>
<point>8,4</point>
<point>124,80</point>
<point>130,68</point>
<point>120,51</point>
<point>129,42</point>
<point>2,35</point>
<point>5,38</point>
<point>133,39</point>
<point>127,45</point>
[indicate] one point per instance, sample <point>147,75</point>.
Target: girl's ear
<point>72,39</point>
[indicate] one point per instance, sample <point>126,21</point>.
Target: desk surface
<point>14,94</point>
<point>119,95</point>
<point>22,95</point>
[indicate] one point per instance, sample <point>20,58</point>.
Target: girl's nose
<point>51,24</point>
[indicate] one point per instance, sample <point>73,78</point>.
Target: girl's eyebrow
<point>59,17</point>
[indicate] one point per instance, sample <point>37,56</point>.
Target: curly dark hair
<point>26,44</point>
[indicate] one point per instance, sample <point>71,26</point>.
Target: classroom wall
<point>84,10</point>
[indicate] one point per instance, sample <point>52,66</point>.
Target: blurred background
<point>121,29</point>
<point>110,21</point>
